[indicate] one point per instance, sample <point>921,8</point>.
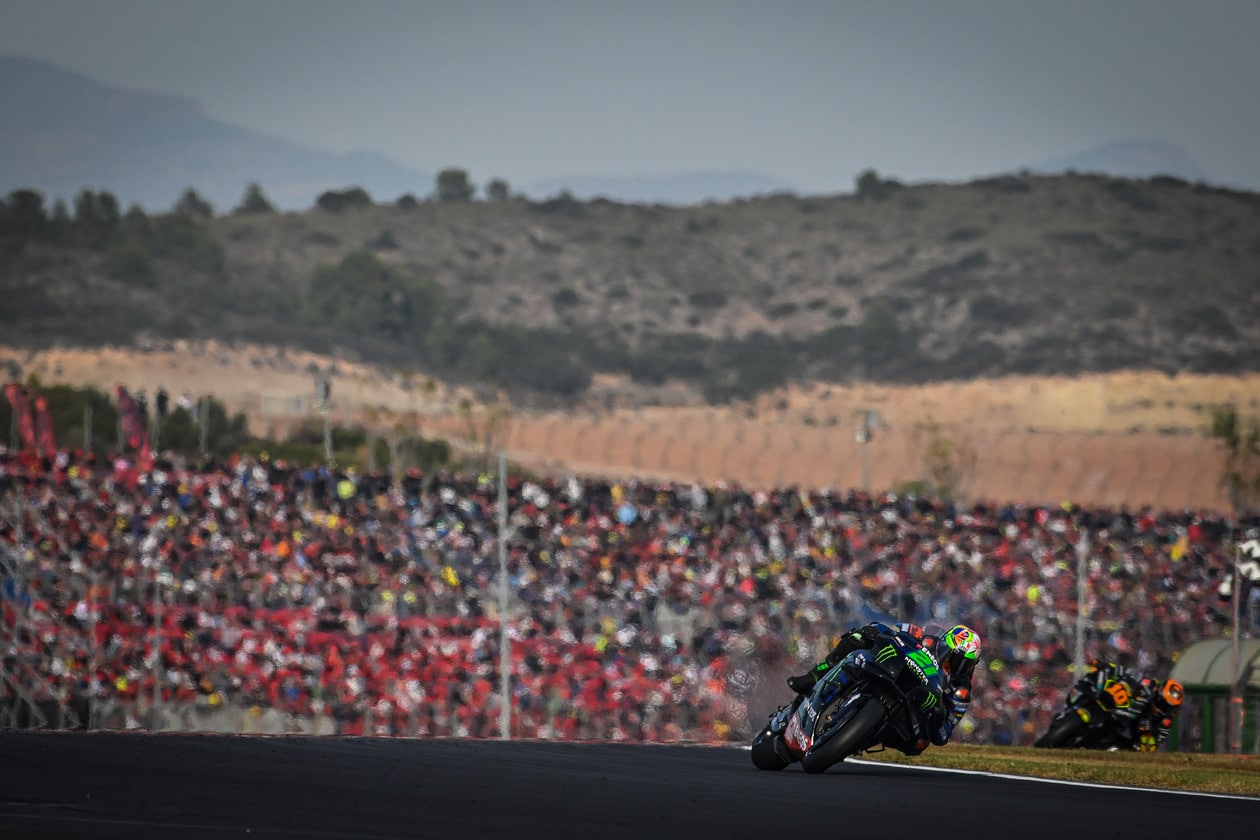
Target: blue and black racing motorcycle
<point>880,695</point>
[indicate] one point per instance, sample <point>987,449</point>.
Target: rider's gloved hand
<point>868,633</point>
<point>958,702</point>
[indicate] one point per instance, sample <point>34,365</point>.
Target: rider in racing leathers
<point>1144,723</point>
<point>957,650</point>
<point>1156,706</point>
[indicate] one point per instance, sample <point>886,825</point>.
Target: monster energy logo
<point>924,661</point>
<point>929,700</point>
<point>886,653</point>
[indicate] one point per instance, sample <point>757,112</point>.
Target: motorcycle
<point>873,696</point>
<point>1095,716</point>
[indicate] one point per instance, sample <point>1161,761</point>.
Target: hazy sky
<point>811,92</point>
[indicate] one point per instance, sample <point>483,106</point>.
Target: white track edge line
<point>1019,778</point>
<point>1015,777</point>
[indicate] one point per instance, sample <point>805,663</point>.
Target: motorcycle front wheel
<point>1065,731</point>
<point>764,755</point>
<point>852,736</point>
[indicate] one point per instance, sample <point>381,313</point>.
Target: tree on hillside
<point>81,416</point>
<point>335,201</point>
<point>369,297</point>
<point>96,209</point>
<point>254,201</point>
<point>870,185</point>
<point>878,335</point>
<point>453,185</point>
<point>192,205</point>
<point>1240,438</point>
<point>947,461</point>
<point>96,214</point>
<point>497,190</point>
<point>23,215</point>
<point>182,240</point>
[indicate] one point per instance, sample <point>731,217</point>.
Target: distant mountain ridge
<point>1127,159</point>
<point>62,132</point>
<point>680,188</point>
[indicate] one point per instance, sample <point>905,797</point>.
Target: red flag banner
<point>22,410</point>
<point>133,424</point>
<point>44,429</point>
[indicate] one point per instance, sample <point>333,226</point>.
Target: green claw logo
<point>924,661</point>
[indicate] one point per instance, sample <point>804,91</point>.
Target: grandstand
<point>255,596</point>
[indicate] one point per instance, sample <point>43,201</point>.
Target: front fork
<point>780,719</point>
<point>790,723</point>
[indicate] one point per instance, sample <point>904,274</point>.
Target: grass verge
<point>1208,773</point>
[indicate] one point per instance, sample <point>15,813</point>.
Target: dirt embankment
<point>1118,439</point>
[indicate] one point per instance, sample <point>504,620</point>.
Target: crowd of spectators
<point>637,611</point>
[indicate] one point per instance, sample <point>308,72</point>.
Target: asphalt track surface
<point>117,785</point>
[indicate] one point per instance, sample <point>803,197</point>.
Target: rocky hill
<point>1017,274</point>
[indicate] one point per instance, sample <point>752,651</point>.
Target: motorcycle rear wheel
<point>852,736</point>
<point>1064,732</point>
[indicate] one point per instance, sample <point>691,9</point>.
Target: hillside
<point>1112,439</point>
<point>1014,275</point>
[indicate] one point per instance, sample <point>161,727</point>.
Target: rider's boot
<point>804,683</point>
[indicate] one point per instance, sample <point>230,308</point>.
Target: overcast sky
<point>810,92</point>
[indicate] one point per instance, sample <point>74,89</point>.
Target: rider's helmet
<point>957,649</point>
<point>1169,696</point>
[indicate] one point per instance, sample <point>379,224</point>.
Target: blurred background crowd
<point>262,596</point>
